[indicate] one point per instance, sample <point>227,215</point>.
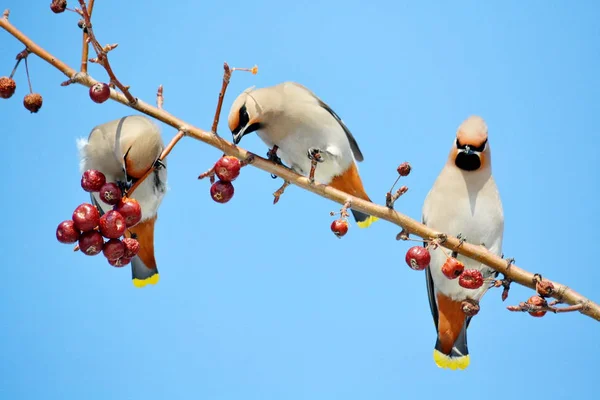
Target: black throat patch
<point>468,162</point>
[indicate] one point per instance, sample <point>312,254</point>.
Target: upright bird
<point>305,130</point>
<point>124,150</point>
<point>464,200</point>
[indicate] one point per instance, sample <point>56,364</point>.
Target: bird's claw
<point>273,157</point>
<point>314,155</point>
<point>461,240</point>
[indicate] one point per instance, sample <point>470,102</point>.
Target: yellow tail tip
<point>367,222</point>
<point>444,361</point>
<point>152,280</point>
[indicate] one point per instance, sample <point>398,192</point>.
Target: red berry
<point>112,225</point>
<point>404,169</point>
<point>92,180</point>
<point>113,249</point>
<point>471,279</point>
<point>100,92</point>
<point>7,87</point>
<point>121,262</point>
<point>91,243</point>
<point>132,247</point>
<point>418,258</point>
<point>86,217</point>
<point>66,232</point>
<point>221,192</point>
<point>537,301</point>
<point>33,102</point>
<point>339,227</point>
<point>131,210</point>
<point>470,307</point>
<point>452,268</point>
<point>227,168</point>
<point>58,6</point>
<point>110,193</point>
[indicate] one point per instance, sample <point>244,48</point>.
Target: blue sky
<point>239,312</point>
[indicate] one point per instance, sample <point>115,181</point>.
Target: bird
<point>306,132</point>
<point>124,150</point>
<point>464,201</point>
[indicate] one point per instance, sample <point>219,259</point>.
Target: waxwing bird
<point>464,200</point>
<point>305,130</point>
<point>124,150</point>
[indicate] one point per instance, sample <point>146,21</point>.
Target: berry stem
<point>162,156</point>
<point>86,45</point>
<point>27,72</point>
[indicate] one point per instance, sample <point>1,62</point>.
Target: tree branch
<point>562,293</point>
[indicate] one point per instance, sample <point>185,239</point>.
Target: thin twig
<point>159,97</point>
<point>102,56</point>
<point>226,79</point>
<point>477,253</point>
<point>86,47</point>
<point>525,307</point>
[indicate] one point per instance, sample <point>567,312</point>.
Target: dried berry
<point>544,288</point>
<point>66,232</point>
<point>113,249</point>
<point>112,225</point>
<point>100,92</point>
<point>221,192</point>
<point>339,227</point>
<point>539,302</point>
<point>92,180</point>
<point>86,217</point>
<point>471,279</point>
<point>452,268</point>
<point>404,169</point>
<point>132,247</point>
<point>418,258</point>
<point>470,307</point>
<point>121,262</point>
<point>7,87</point>
<point>227,168</point>
<point>58,6</point>
<point>33,102</point>
<point>131,210</point>
<point>110,193</point>
<point>91,243</point>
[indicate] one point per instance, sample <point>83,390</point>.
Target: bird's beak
<point>251,126</point>
<point>468,150</point>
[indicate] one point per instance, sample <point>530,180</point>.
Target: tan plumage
<point>131,144</point>
<point>463,200</point>
<point>296,120</point>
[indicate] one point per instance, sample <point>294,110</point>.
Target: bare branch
<point>410,226</point>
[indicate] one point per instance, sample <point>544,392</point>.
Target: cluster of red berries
<point>89,229</point>
<point>227,168</point>
<point>418,258</point>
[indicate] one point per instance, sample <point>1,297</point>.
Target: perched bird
<point>124,150</point>
<point>464,200</point>
<point>305,130</point>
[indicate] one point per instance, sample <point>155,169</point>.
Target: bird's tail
<point>351,183</point>
<point>458,358</point>
<point>143,266</point>
<point>363,220</point>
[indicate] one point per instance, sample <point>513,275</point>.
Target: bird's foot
<point>273,157</point>
<point>315,157</point>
